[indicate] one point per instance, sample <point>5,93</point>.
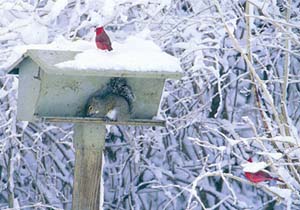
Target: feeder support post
<point>89,141</point>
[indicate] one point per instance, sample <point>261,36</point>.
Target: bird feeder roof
<point>135,57</point>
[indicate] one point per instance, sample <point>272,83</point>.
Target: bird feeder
<point>52,93</point>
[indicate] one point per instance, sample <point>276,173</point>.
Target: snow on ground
<point>134,54</point>
<point>254,167</point>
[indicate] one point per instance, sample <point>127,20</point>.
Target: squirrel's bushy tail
<point>119,86</point>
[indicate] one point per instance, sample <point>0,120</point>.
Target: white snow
<point>286,176</point>
<point>274,155</point>
<point>59,43</point>
<point>257,3</point>
<point>34,33</point>
<point>16,203</point>
<point>57,8</point>
<point>3,93</point>
<point>135,54</point>
<point>108,7</point>
<point>254,167</point>
<point>283,193</point>
<point>288,139</point>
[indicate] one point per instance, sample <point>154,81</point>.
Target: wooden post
<point>89,141</point>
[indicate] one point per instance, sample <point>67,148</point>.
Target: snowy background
<point>239,98</point>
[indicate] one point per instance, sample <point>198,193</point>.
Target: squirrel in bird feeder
<point>113,102</point>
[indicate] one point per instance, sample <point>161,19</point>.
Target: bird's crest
<point>99,30</point>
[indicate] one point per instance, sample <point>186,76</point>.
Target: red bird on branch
<point>102,39</point>
<point>259,176</point>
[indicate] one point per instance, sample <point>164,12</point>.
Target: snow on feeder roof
<point>134,57</point>
<point>135,54</point>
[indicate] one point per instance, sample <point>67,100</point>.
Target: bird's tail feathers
<point>277,179</point>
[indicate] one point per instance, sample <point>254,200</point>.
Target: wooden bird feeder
<point>49,93</point>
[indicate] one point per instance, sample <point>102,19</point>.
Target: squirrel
<point>113,102</point>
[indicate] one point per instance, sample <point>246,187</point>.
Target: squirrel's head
<point>92,108</point>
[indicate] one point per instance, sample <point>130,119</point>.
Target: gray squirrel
<point>113,102</point>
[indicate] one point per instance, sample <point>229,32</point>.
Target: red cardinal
<point>102,39</point>
<point>259,176</point>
